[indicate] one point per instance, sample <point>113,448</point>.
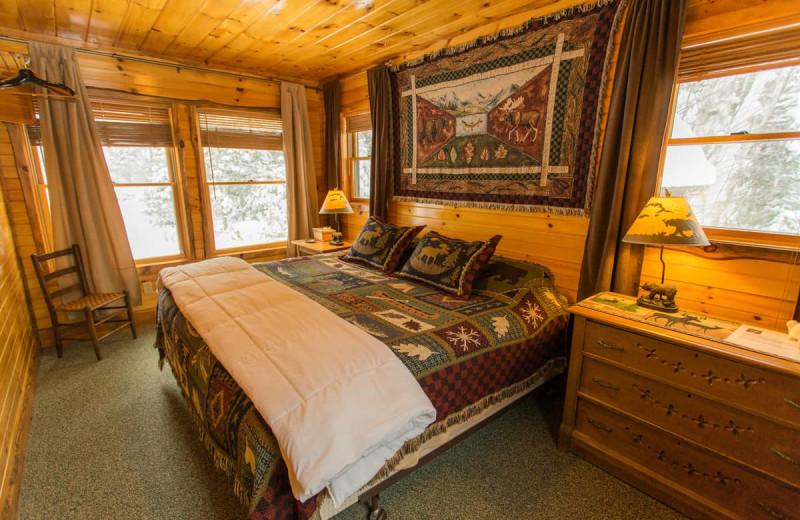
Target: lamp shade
<point>335,202</point>
<point>666,220</point>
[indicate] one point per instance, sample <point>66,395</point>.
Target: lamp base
<point>336,239</point>
<point>657,304</point>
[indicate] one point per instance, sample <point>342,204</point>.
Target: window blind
<point>730,54</point>
<point>221,128</point>
<point>123,123</point>
<point>359,123</point>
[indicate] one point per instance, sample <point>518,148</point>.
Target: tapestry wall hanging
<point>509,121</point>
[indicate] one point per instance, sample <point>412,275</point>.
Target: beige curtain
<point>634,133</point>
<point>301,181</point>
<point>83,204</point>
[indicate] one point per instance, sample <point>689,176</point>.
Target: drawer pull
<point>790,402</point>
<point>604,384</point>
<point>785,457</point>
<point>609,347</point>
<point>773,513</point>
<point>599,426</point>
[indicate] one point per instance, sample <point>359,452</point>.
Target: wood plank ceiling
<point>314,40</point>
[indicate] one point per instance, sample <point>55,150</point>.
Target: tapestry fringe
<point>221,459</point>
<point>524,208</point>
<point>552,17</point>
<point>554,366</point>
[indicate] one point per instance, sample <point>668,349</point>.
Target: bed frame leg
<point>376,512</point>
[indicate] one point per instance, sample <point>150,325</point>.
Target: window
<point>137,142</point>
<point>42,196</point>
<point>359,152</point>
<point>245,177</point>
<point>734,146</point>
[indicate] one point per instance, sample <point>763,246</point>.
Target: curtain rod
<point>162,63</point>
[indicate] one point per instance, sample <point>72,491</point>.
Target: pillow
<point>447,263</point>
<point>381,244</point>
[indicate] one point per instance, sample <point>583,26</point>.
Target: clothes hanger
<point>28,77</point>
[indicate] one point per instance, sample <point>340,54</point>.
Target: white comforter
<point>339,401</point>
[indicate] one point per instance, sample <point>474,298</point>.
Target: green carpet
<point>114,439</point>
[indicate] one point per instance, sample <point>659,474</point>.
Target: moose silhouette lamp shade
<point>664,221</point>
<point>334,204</point>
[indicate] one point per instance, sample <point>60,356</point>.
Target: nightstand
<point>688,408</point>
<point>303,248</point>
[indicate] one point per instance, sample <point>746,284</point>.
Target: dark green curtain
<point>382,163</point>
<point>634,133</point>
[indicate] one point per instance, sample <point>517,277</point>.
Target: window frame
<point>715,234</point>
<point>350,145</point>
<point>209,239</point>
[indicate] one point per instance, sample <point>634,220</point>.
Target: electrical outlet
<point>147,287</point>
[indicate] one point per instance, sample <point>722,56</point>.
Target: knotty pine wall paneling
<point>18,347</point>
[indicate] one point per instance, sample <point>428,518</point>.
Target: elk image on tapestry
<point>509,121</point>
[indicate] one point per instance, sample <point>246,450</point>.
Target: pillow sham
<point>450,264</point>
<point>380,244</point>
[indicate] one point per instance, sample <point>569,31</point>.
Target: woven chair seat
<point>92,301</point>
<point>59,281</point>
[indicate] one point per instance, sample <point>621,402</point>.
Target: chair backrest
<point>57,281</point>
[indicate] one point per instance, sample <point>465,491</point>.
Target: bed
<point>472,357</point>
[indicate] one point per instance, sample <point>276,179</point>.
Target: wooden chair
<point>57,283</point>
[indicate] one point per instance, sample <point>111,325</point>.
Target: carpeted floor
<point>115,440</point>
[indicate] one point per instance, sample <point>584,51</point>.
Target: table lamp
<point>664,221</point>
<point>335,203</point>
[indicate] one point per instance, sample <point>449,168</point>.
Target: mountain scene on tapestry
<point>507,121</point>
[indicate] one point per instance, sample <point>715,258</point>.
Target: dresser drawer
<point>737,383</point>
<point>745,494</point>
<point>763,444</point>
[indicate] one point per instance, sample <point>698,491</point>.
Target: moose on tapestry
<point>508,121</point>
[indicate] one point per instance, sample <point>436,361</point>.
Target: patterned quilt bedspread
<point>467,355</point>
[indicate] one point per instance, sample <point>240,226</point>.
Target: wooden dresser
<point>709,428</point>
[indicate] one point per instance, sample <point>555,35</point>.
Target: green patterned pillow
<point>381,244</point>
<point>447,263</point>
